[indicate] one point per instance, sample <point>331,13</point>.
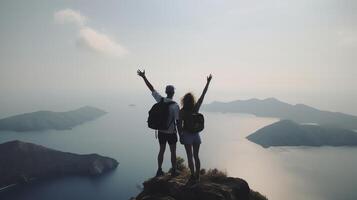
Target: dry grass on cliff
<point>207,174</point>
<point>213,174</point>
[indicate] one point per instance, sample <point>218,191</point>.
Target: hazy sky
<point>301,51</point>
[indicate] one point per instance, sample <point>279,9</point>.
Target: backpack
<point>159,115</point>
<point>194,122</point>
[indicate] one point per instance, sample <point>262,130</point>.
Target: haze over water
<point>279,173</point>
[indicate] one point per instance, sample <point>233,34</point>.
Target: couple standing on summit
<point>180,119</point>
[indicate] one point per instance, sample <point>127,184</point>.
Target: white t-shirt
<point>173,112</point>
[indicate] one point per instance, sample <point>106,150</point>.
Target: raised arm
<point>200,100</point>
<point>142,74</point>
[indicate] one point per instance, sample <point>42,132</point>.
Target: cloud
<point>88,37</point>
<point>70,16</point>
<point>99,42</point>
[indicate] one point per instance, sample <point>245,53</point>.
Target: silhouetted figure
<point>169,135</point>
<point>191,140</point>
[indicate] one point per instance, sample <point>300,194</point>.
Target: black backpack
<point>159,115</point>
<point>194,122</point>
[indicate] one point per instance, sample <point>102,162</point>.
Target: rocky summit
<point>210,187</point>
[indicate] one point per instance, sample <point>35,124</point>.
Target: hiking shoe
<point>197,177</point>
<point>192,178</point>
<point>174,173</point>
<point>159,173</point>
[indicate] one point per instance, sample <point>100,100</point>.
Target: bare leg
<point>188,148</point>
<point>196,149</point>
<point>160,157</point>
<point>173,156</point>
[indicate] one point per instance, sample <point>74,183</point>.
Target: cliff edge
<point>213,185</point>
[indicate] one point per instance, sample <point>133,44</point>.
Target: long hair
<point>188,102</point>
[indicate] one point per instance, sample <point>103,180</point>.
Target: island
<point>289,133</point>
<point>213,185</point>
<point>272,107</point>
<point>22,162</point>
<point>46,120</point>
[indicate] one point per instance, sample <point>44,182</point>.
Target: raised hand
<point>141,73</point>
<point>209,78</point>
<point>200,100</point>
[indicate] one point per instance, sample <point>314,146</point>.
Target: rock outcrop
<point>45,120</point>
<point>208,188</point>
<point>22,162</point>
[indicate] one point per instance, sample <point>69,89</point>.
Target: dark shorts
<point>167,137</point>
<point>191,138</point>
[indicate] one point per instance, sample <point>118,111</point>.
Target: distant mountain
<point>44,120</point>
<point>289,133</point>
<point>272,107</point>
<point>21,162</point>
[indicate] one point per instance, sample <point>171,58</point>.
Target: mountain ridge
<point>272,107</point>
<point>50,120</point>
